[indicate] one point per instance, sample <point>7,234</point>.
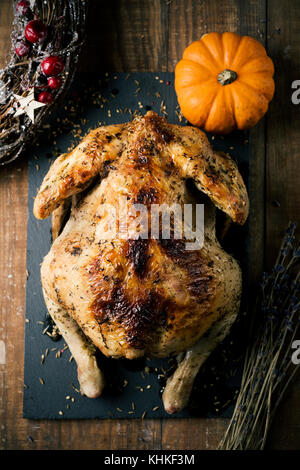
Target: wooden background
<point>150,35</point>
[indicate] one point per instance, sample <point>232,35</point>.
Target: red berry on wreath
<point>22,49</point>
<point>35,31</point>
<point>45,97</point>
<point>54,83</point>
<point>22,8</point>
<point>52,65</point>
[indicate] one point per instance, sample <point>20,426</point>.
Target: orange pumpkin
<point>224,82</point>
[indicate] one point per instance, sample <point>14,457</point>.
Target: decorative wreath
<point>46,41</point>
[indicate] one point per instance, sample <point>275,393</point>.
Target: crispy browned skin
<point>72,172</point>
<point>133,297</point>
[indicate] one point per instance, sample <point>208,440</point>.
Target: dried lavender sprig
<point>245,416</point>
<point>268,370</point>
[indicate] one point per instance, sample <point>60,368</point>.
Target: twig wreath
<point>46,41</point>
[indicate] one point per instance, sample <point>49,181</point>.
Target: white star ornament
<point>27,105</point>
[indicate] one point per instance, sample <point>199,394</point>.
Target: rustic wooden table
<point>150,35</point>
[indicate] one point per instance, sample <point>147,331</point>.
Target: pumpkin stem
<point>226,77</point>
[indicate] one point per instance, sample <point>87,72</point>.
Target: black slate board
<point>219,379</point>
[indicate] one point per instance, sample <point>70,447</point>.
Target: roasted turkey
<point>137,295</point>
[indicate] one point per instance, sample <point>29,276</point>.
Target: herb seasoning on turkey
<point>147,296</point>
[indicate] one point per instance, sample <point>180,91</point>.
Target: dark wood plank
<point>283,170</point>
<point>188,21</point>
<point>13,201</point>
<point>5,29</point>
<point>133,36</point>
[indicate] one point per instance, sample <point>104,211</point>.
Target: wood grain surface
<point>150,35</point>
